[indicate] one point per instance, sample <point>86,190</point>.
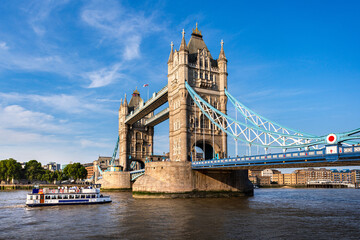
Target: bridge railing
<point>327,152</point>
<point>136,174</point>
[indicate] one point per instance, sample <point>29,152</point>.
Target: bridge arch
<point>208,148</point>
<point>136,164</point>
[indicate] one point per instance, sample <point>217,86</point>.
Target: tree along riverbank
<point>30,186</point>
<point>11,172</point>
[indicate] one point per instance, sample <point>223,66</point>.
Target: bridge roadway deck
<point>342,156</point>
<point>157,100</point>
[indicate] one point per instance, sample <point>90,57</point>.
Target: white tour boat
<point>65,196</point>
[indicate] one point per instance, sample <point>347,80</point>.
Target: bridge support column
<point>178,180</point>
<point>115,181</point>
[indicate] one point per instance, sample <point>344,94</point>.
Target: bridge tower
<point>136,140</point>
<point>188,127</point>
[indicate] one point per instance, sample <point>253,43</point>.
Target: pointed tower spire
<point>125,101</point>
<point>171,57</point>
<point>121,104</point>
<point>183,46</point>
<point>222,53</point>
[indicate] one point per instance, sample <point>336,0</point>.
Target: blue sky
<point>65,65</point>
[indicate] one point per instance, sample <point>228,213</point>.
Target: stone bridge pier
<point>178,180</point>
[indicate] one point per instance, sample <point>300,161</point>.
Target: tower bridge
<point>197,97</point>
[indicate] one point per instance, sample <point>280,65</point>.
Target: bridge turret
<point>171,57</point>
<point>222,63</point>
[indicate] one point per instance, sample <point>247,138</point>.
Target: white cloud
<point>89,143</point>
<point>17,117</point>
<point>118,23</point>
<point>60,102</point>
<point>40,11</point>
<point>3,46</point>
<point>132,48</point>
<point>104,76</point>
<point>36,62</point>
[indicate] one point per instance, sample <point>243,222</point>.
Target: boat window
<point>59,196</point>
<point>88,196</point>
<point>93,196</point>
<point>65,196</point>
<point>31,198</point>
<point>82,196</point>
<point>71,196</point>
<point>77,196</point>
<point>53,197</point>
<point>47,197</point>
<point>36,197</point>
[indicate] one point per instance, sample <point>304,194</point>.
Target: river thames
<point>270,214</point>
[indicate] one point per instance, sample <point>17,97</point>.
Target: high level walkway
<point>158,118</point>
<point>157,100</point>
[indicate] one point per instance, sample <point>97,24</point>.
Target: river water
<point>270,214</point>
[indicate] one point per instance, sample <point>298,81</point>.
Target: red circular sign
<point>331,138</point>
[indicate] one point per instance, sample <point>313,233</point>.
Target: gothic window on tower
<point>206,76</point>
<point>206,64</point>
<point>211,77</point>
<point>195,74</point>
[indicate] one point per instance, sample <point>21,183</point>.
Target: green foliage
<point>9,169</point>
<point>60,176</point>
<point>75,171</point>
<point>34,170</point>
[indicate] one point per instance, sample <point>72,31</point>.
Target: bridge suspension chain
<point>260,121</point>
<point>263,132</point>
<point>249,133</point>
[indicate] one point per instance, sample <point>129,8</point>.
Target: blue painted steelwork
<point>255,133</point>
<point>136,174</point>
<point>258,120</point>
<point>329,154</point>
<point>100,171</point>
<point>112,161</point>
<point>132,164</point>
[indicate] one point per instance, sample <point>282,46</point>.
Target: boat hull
<point>65,203</point>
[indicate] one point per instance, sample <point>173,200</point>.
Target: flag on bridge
<point>146,85</point>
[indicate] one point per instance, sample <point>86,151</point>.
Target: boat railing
<point>65,190</point>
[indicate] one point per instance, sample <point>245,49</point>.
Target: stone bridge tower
<point>188,127</point>
<point>136,140</point>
